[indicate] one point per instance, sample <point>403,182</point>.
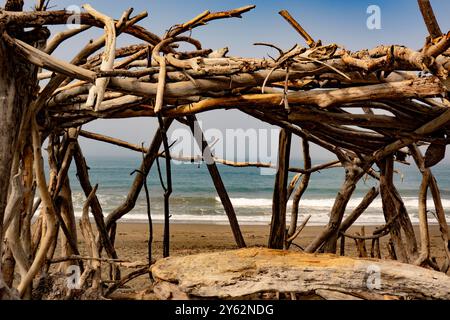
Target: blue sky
<point>343,22</point>
<point>332,21</point>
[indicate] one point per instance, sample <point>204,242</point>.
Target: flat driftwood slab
<point>245,272</point>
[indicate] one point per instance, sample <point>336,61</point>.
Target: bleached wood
<point>236,274</point>
<point>46,61</point>
<point>98,91</point>
<point>49,214</point>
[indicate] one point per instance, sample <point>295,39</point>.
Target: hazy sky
<point>332,21</point>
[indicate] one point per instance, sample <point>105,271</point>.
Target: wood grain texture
<point>235,274</point>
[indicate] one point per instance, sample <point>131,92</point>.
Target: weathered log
<point>60,163</point>
<point>240,273</point>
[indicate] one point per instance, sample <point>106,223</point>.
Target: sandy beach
<point>131,241</point>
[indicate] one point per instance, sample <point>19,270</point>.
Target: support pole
<point>278,224</point>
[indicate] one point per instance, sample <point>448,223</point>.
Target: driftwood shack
<point>309,91</point>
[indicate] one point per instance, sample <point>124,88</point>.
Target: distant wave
<point>323,203</point>
<point>252,211</point>
<point>111,201</point>
<point>249,202</point>
<point>317,219</point>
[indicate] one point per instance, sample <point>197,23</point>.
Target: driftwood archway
<point>311,92</point>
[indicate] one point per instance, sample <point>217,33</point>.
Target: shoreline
<point>132,239</point>
<point>141,221</point>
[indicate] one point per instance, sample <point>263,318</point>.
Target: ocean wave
<point>112,200</point>
<point>318,219</point>
<point>324,203</point>
<point>191,218</point>
<point>251,210</point>
<point>249,202</point>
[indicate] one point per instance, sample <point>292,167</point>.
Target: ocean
<point>194,199</point>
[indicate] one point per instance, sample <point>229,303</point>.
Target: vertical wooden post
<point>278,224</point>
<point>167,189</point>
<point>217,180</point>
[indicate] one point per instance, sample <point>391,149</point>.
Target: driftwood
<point>299,193</point>
<point>278,225</point>
<point>244,272</point>
<point>370,108</point>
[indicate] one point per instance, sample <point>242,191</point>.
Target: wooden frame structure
<point>313,92</point>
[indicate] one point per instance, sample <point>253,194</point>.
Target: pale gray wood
<point>235,274</point>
